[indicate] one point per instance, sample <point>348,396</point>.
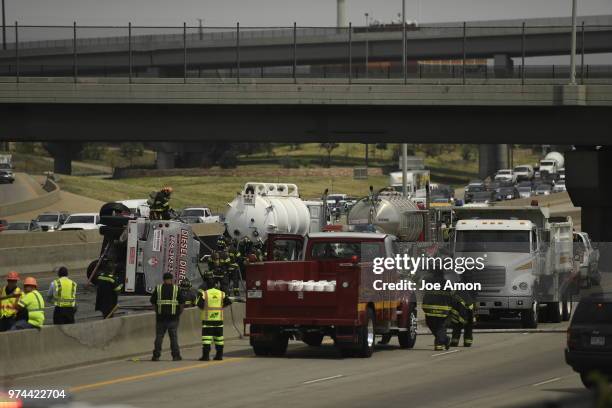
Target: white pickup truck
<point>529,269</point>
<point>198,215</point>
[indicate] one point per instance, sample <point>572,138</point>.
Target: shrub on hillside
<point>289,162</point>
<point>228,160</point>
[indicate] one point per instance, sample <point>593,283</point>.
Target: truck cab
<point>528,267</point>
<point>328,291</point>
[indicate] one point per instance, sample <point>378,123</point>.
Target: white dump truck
<point>528,262</point>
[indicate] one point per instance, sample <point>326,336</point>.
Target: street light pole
<point>573,50</point>
<point>200,29</point>
<point>404,65</point>
<point>367,45</point>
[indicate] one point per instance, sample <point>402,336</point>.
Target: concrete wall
<point>35,252</point>
<point>27,352</point>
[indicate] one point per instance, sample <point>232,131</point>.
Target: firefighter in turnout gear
<point>63,294</point>
<point>221,243</point>
<point>437,306</point>
<point>233,270</point>
<point>168,301</point>
<point>108,289</point>
<point>9,296</point>
<point>159,204</point>
<point>188,293</point>
<point>211,302</point>
<point>462,316</point>
<point>215,267</point>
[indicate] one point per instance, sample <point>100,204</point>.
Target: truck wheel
<point>407,339</point>
<point>278,346</point>
<point>90,269</point>
<point>313,339</point>
<point>585,377</point>
<point>366,336</point>
<point>529,318</point>
<point>554,310</point>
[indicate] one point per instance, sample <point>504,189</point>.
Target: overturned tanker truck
<point>139,251</point>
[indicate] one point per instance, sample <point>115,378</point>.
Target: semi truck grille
<point>491,277</point>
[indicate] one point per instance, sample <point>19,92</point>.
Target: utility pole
<point>404,66</point>
<point>573,50</point>
<point>405,169</point>
<point>200,28</point>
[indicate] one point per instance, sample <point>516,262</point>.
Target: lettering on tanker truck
<point>171,256</point>
<point>157,240</point>
<point>183,251</point>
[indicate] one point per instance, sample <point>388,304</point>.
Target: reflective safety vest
<point>65,292</point>
<point>8,307</point>
<point>34,303</point>
<point>213,305</point>
<point>173,303</point>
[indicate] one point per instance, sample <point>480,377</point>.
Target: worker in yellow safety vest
<point>9,296</point>
<point>211,302</point>
<point>63,294</point>
<point>31,307</point>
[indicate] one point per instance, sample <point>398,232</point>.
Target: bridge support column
<point>503,66</point>
<point>63,154</point>
<point>491,158</point>
<point>587,177</point>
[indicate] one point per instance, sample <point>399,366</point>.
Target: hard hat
<point>12,276</point>
<point>30,281</point>
<point>167,189</point>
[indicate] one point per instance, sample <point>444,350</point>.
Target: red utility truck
<point>323,285</point>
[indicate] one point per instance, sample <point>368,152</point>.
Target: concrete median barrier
<point>35,252</point>
<point>51,196</point>
<point>53,348</point>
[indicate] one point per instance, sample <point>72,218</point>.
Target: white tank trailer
<point>267,208</point>
<point>392,214</point>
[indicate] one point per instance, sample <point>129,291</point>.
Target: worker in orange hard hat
<point>159,204</point>
<point>31,307</point>
<point>9,296</point>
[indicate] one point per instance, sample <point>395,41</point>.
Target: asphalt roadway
<point>20,190</point>
<point>501,369</point>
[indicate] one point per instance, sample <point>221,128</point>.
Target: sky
<point>282,12</point>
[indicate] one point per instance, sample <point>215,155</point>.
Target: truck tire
<point>407,339</point>
<point>529,318</point>
<point>313,339</point>
<point>366,336</point>
<point>554,311</point>
<point>275,346</point>
<point>90,269</point>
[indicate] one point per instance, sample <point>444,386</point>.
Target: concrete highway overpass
<point>481,111</point>
<point>167,54</point>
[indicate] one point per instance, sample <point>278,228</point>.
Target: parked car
<point>52,220</point>
<point>543,189</point>
<point>588,258</point>
<point>559,186</point>
<point>198,215</point>
<point>6,176</point>
<point>505,175</point>
<point>21,227</point>
<point>589,339</point>
<point>506,193</point>
<point>82,221</point>
<point>473,187</point>
<point>138,207</point>
<point>3,225</point>
<point>523,172</point>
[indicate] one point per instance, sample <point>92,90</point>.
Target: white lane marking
<point>323,379</point>
<point>547,381</point>
<point>446,352</point>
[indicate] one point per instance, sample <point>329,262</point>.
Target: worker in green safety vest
<point>211,303</point>
<point>62,293</point>
<point>31,307</point>
<point>168,301</point>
